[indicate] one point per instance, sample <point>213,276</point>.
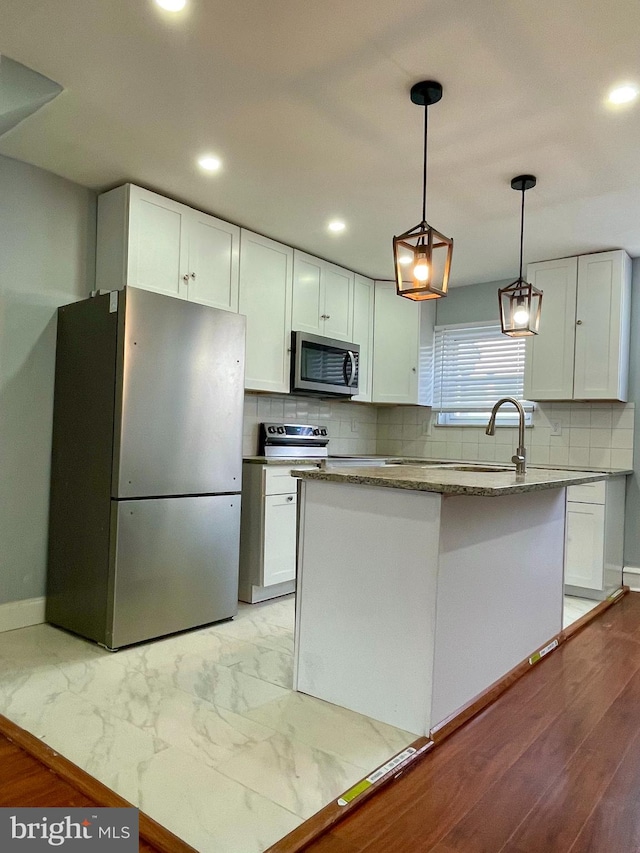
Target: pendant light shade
<point>520,302</point>
<point>422,255</point>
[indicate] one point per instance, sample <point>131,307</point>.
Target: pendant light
<point>520,302</point>
<point>422,255</point>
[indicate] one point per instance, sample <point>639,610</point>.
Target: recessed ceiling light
<point>172,5</point>
<point>336,226</point>
<point>623,94</point>
<point>209,163</point>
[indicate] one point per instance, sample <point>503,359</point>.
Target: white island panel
<point>500,588</point>
<point>368,561</point>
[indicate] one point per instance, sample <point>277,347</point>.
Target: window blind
<point>473,367</point>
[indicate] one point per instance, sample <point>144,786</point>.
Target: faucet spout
<point>520,456</point>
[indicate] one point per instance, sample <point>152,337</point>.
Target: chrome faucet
<point>520,456</point>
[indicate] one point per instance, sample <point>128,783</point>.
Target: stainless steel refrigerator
<point>146,467</point>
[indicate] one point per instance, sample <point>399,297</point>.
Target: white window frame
<point>452,408</point>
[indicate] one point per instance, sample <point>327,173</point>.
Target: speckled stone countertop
<point>311,460</point>
<point>285,460</point>
<point>428,477</point>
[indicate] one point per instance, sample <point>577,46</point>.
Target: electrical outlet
<point>355,427</point>
<point>556,427</point>
<point>426,426</point>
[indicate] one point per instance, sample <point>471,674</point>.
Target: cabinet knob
<point>413,370</point>
<point>193,275</point>
<point>578,322</point>
<point>289,498</point>
<point>185,277</point>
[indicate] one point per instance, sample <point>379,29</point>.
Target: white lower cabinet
<point>594,538</point>
<point>268,531</point>
<point>279,545</point>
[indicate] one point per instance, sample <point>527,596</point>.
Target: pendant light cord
<point>424,179</point>
<point>521,232</point>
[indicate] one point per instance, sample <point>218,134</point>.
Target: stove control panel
<point>294,440</point>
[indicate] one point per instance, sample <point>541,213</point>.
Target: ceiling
<point>307,104</point>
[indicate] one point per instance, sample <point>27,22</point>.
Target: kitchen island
<point>421,586</point>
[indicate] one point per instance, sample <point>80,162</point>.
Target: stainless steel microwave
<point>323,367</point>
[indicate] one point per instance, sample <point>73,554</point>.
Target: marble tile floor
<point>575,608</point>
<point>201,730</point>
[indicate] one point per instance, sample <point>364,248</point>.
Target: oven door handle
<point>349,378</point>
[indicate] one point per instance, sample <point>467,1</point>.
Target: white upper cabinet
<point>214,250</point>
<point>603,315</point>
<point>363,301</point>
<point>426,352</point>
<point>322,298</point>
<point>153,250</point>
<point>396,341</point>
<point>152,242</point>
<point>266,284</point>
<point>582,349</point>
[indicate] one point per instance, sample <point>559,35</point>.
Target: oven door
<point>324,366</point>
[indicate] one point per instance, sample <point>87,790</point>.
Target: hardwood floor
<point>32,774</point>
<point>552,766</point>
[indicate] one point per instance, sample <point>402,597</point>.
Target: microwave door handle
<point>349,379</point>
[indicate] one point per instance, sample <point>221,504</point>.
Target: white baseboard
<point>631,577</point>
<point>21,614</point>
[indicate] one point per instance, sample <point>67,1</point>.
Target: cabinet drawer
<point>589,493</point>
<point>278,479</point>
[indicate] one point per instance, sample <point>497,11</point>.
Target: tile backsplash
<point>352,426</point>
<point>598,434</point>
<point>590,434</point>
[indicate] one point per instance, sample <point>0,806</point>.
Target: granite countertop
<point>285,460</point>
<point>314,460</point>
<point>428,477</point>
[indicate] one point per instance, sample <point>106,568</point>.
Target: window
<point>473,367</point>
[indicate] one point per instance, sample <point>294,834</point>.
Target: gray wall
<point>47,250</point>
<point>632,515</point>
<point>477,303</point>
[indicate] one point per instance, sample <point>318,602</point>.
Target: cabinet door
<point>395,346</point>
<point>602,327</point>
<point>337,284</point>
<point>584,552</point>
<point>266,283</point>
<point>157,253</point>
<point>279,558</point>
<point>308,296</point>
<point>427,352</point>
<point>213,261</point>
<point>363,294</point>
<point>548,372</point>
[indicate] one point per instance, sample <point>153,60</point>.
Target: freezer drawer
<point>175,565</point>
